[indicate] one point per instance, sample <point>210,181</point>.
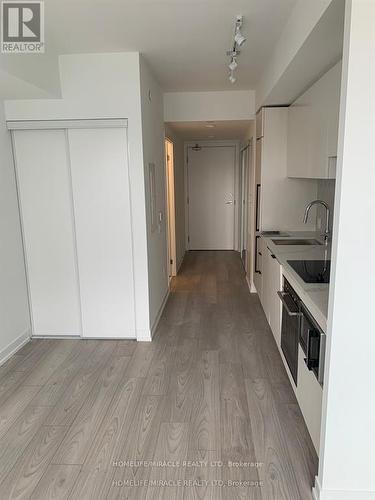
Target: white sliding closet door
<point>46,209</point>
<point>103,230</point>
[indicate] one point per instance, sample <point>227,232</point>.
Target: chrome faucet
<point>327,231</point>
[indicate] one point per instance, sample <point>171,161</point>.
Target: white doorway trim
<point>171,210</point>
<point>236,145</point>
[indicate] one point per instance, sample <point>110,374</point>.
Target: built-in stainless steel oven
<point>290,327</point>
<point>313,343</point>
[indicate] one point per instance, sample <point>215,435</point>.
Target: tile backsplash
<point>326,192</point>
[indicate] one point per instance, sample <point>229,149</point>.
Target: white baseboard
<point>319,494</point>
<point>14,346</point>
<point>252,288</point>
<point>316,489</point>
<point>144,336</point>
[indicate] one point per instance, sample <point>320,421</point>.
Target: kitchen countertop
<point>313,295</point>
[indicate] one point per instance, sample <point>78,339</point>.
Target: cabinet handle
<point>282,296</point>
<point>256,256</point>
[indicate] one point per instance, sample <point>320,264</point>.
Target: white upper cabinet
<point>313,129</point>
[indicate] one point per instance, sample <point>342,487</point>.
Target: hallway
<point>210,390</point>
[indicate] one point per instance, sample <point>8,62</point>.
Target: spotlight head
<point>233,64</point>
<point>239,38</point>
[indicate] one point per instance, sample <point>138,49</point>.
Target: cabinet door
<point>47,219</point>
<point>258,276</point>
<point>298,140</point>
<point>275,274</point>
<point>258,185</point>
<point>266,279</point>
<point>103,228</point>
<point>313,128</point>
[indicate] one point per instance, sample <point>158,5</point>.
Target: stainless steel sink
<point>295,241</point>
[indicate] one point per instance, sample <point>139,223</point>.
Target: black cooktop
<point>312,271</point>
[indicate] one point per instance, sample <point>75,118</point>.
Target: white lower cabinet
<point>275,285</point>
<point>309,395</point>
<point>258,276</point>
<point>272,283</point>
<point>308,391</point>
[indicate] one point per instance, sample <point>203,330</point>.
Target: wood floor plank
<point>16,440</point>
<point>235,429</point>
<point>30,467</point>
<point>157,380</point>
<point>78,440</point>
<point>203,476</point>
<point>205,418</point>
<point>56,483</point>
<point>95,478</point>
<point>14,406</point>
<point>181,391</point>
<point>140,446</point>
<point>67,408</point>
<point>55,387</point>
<point>51,362</point>
<point>21,370</point>
<point>172,446</point>
<point>300,446</point>
<point>141,359</point>
<point>126,347</point>
<point>270,444</point>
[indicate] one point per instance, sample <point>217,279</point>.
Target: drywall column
<point>347,461</point>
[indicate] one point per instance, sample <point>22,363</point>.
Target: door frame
<point>244,171</point>
<point>171,207</point>
<point>205,143</point>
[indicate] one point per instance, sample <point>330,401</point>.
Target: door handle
<point>282,296</point>
<point>229,202</point>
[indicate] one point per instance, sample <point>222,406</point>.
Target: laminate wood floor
<point>205,411</point>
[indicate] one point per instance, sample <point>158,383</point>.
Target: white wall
<point>105,86</point>
<point>179,186</point>
<point>347,461</point>
<point>14,311</point>
<point>206,106</point>
<point>304,17</point>
<point>153,152</point>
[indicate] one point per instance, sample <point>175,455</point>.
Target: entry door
<point>211,197</point>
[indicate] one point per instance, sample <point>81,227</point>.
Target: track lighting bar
<point>238,40</point>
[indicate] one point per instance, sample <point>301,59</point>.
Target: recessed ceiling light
<point>210,125</point>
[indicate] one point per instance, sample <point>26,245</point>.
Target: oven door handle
<point>285,304</point>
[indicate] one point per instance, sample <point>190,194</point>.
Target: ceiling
<point>218,130</point>
<point>184,41</point>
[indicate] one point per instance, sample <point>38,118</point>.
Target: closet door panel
<point>103,229</point>
<point>46,207</point>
